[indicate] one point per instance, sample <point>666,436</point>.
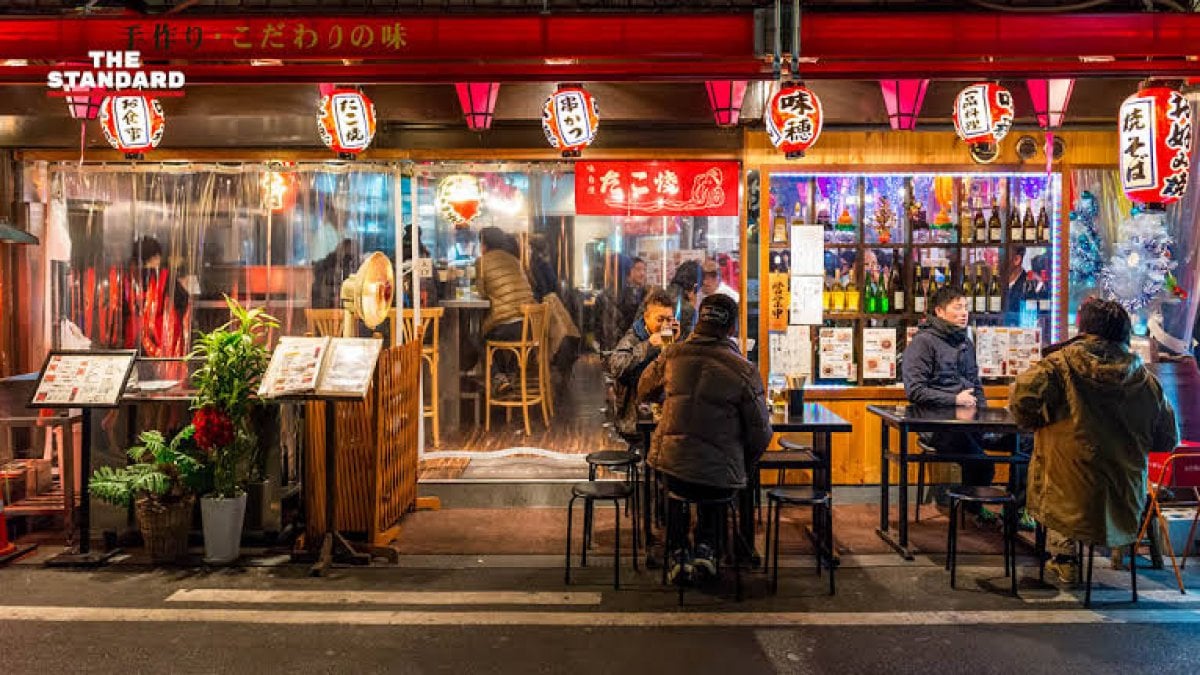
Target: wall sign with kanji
<point>132,124</point>
<point>570,120</point>
<point>1155,129</point>
<point>346,122</point>
<point>983,113</point>
<point>793,119</point>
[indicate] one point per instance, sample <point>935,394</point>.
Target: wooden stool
<point>324,322</point>
<point>532,390</point>
<point>431,318</point>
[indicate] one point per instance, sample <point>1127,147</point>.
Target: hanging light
<point>903,99</point>
<point>570,119</point>
<point>1050,99</point>
<point>983,114</point>
<point>478,101</point>
<point>794,119</point>
<point>1155,130</point>
<point>725,97</point>
<point>346,122</point>
<point>459,198</point>
<point>132,124</point>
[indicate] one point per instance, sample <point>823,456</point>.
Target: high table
<point>812,418</point>
<point>463,321</point>
<point>906,419</point>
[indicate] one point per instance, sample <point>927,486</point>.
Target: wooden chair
<point>324,322</point>
<point>531,391</point>
<point>431,318</point>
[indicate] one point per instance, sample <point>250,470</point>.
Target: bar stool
<point>983,496</point>
<point>822,503</point>
<point>611,460</point>
<point>592,491</point>
<point>532,389</point>
<point>730,523</point>
<point>431,319</point>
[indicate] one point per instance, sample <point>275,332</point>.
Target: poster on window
<point>879,353</point>
<point>1004,351</point>
<point>791,352</point>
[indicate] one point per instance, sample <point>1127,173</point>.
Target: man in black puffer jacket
<point>715,424</point>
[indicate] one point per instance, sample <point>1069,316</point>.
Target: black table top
<point>919,418</point>
<point>812,417</point>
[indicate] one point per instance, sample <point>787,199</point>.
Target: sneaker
<point>986,519</point>
<point>501,385</point>
<point>681,568</point>
<point>1026,521</point>
<point>1066,570</point>
<point>705,561</point>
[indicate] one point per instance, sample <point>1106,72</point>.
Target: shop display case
<point>891,240</point>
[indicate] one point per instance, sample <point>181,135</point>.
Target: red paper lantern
<point>346,122</point>
<point>793,119</point>
<point>570,119</point>
<point>1155,129</point>
<point>132,124</point>
<point>983,113</point>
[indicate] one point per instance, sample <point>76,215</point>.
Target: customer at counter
<point>501,280</point>
<point>641,344</point>
<point>683,289</point>
<point>712,283</point>
<point>1096,413</point>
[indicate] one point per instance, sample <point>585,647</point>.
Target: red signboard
<point>656,188</point>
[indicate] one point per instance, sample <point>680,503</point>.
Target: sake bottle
<point>897,285</point>
<point>994,225</point>
<point>995,295</point>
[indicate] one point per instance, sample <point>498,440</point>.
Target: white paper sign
<point>1004,351</point>
<point>808,250</point>
<point>791,352</point>
<point>805,303</point>
<point>425,268</point>
<point>879,353</point>
<point>836,353</point>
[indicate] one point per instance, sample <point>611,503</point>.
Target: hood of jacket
<point>1105,365</point>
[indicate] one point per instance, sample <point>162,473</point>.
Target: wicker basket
<point>165,527</point>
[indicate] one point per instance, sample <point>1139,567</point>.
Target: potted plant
<point>234,357</point>
<point>161,485</point>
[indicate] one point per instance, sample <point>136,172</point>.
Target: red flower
<point>214,429</point>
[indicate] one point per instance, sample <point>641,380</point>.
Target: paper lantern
<point>132,124</point>
<point>459,198</point>
<point>570,120</point>
<point>903,99</point>
<point>1050,99</point>
<point>793,119</point>
<point>346,122</point>
<point>983,113</point>
<point>478,101</point>
<point>725,97</point>
<point>1155,129</point>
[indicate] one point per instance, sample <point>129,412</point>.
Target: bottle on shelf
<point>1043,294</point>
<point>870,296</point>
<point>995,295</point>
<point>1028,226</point>
<point>827,295</point>
<point>1030,306</point>
<point>980,301</point>
<point>883,297</point>
<point>918,290</point>
<point>852,294</point>
<point>1043,225</point>
<point>934,286</point>
<point>897,287</point>
<point>779,227</point>
<point>1015,233</point>
<point>837,296</point>
<point>968,289</point>
<point>981,228</point>
<point>994,226</point>
<point>966,228</point>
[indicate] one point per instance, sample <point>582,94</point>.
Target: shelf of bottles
<point>892,240</point>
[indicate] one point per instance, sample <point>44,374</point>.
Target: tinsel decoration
<point>1140,267</point>
<point>1086,258</point>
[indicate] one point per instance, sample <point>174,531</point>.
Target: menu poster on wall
<point>805,301</point>
<point>791,352</point>
<point>83,379</point>
<point>879,353</point>
<point>836,353</point>
<point>1004,351</point>
<point>808,250</point>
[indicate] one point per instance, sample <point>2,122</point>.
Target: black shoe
<point>704,562</point>
<point>681,571</point>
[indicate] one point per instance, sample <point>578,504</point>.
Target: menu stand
<point>86,380</point>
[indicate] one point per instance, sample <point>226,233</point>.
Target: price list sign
<point>75,379</point>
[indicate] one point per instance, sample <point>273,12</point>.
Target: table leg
<point>449,370</point>
<point>83,556</point>
<point>884,478</point>
<point>823,480</point>
<point>901,545</point>
<point>648,503</point>
<point>333,545</point>
<point>902,520</point>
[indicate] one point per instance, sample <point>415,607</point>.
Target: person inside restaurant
<point>715,426</point>
<point>1096,413</point>
<point>501,280</point>
<point>620,308</point>
<point>682,289</point>
<point>711,282</point>
<point>641,344</point>
<point>940,370</point>
<point>1014,286</point>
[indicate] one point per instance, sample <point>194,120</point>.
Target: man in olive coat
<point>1096,413</point>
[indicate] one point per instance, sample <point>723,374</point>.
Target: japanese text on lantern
<point>291,35</point>
<point>1138,165</point>
<point>799,126</point>
<point>131,120</point>
<point>1179,141</point>
<point>572,115</point>
<point>351,118</point>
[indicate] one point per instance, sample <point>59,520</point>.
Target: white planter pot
<point>222,519</point>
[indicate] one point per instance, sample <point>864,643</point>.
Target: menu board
<point>321,367</point>
<point>72,379</point>
<point>1003,351</point>
<point>836,354</point>
<point>879,353</point>
<point>791,352</point>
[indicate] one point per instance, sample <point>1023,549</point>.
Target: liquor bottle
<point>968,289</point>
<point>994,293</point>
<point>1030,307</point>
<point>897,285</point>
<point>1015,233</point>
<point>779,233</point>
<point>981,230</point>
<point>918,291</point>
<point>1043,295</point>
<point>883,295</point>
<point>966,228</point>
<point>994,227</point>
<point>933,287</point>
<point>1043,225</point>
<point>981,292</point>
<point>837,297</point>
<point>1029,226</point>
<point>871,296</point>
<point>852,295</point>
<point>827,295</point>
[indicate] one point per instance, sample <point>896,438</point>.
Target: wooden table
<point>463,322</point>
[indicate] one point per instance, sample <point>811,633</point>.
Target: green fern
<point>160,469</point>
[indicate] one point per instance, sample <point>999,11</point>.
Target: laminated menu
<point>1004,351</point>
<point>321,366</point>
<point>879,353</point>
<point>836,354</point>
<point>83,379</point>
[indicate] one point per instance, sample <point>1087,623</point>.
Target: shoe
<point>501,385</point>
<point>681,569</point>
<point>1066,570</point>
<point>985,519</point>
<point>1025,521</point>
<point>705,561</point>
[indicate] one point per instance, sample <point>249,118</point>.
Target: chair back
<point>533,324</point>
<point>324,322</point>
<point>431,318</point>
<point>1177,469</point>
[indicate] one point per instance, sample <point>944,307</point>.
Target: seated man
<point>940,371</point>
<point>1096,413</point>
<point>640,345</point>
<point>501,280</point>
<point>715,426</point>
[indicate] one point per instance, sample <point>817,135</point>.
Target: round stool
<point>609,491</point>
<point>983,495</point>
<point>730,520</point>
<point>822,504</point>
